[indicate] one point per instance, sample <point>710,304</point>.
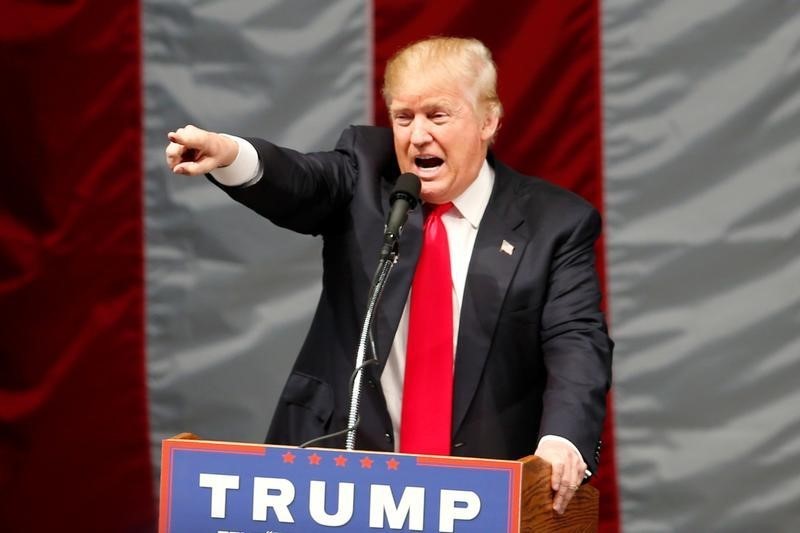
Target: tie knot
<point>437,210</point>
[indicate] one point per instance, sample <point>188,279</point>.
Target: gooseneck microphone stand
<point>404,197</point>
<point>387,260</point>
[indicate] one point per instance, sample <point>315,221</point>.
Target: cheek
<point>400,152</point>
<point>401,137</point>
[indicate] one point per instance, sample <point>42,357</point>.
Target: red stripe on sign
<point>548,58</point>
<point>75,449</point>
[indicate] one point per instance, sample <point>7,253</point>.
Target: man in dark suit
<point>532,356</point>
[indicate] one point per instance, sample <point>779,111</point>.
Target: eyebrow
<point>439,103</point>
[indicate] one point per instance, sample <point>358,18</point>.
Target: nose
<point>419,133</point>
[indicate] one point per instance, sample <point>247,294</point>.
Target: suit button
<point>371,383</point>
<point>388,436</point>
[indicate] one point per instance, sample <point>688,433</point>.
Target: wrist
<point>229,150</point>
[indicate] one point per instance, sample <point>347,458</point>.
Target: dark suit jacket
<point>533,357</point>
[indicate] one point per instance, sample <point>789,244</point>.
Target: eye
<point>439,117</point>
<point>402,119</point>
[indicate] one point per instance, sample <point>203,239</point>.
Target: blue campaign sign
<point>217,487</point>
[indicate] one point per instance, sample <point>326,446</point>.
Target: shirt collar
<point>473,201</point>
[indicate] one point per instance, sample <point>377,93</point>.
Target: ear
<point>490,124</point>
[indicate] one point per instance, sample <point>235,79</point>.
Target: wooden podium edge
<point>581,516</point>
<point>185,436</point>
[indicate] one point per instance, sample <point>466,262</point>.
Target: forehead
<point>428,92</point>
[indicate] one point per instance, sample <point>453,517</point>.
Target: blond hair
<point>467,60</point>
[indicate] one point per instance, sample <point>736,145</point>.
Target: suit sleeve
<point>301,192</point>
<point>576,347</point>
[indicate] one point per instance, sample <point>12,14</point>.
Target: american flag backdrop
<point>127,304</point>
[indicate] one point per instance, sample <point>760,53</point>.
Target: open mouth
<point>426,162</point>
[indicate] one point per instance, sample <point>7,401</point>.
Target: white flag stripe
<point>703,209</point>
<point>229,296</point>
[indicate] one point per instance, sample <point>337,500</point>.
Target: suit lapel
<point>491,269</point>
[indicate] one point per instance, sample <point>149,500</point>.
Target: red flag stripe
<point>549,68</point>
<point>75,451</point>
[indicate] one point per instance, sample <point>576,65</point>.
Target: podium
<point>226,487</point>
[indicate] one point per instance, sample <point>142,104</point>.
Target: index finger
<point>557,473</point>
<point>189,135</point>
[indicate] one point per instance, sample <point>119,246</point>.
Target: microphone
<point>404,197</point>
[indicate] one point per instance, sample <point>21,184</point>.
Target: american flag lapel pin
<point>507,247</point>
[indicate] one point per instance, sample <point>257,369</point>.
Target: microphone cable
<point>346,430</point>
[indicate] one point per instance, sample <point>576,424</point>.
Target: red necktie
<point>426,418</point>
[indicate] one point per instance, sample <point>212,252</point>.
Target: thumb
<point>194,168</point>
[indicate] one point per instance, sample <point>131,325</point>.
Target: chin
<point>431,197</point>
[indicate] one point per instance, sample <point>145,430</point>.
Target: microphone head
<point>406,187</point>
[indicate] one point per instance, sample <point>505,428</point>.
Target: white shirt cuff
<point>245,169</point>
<point>587,473</point>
